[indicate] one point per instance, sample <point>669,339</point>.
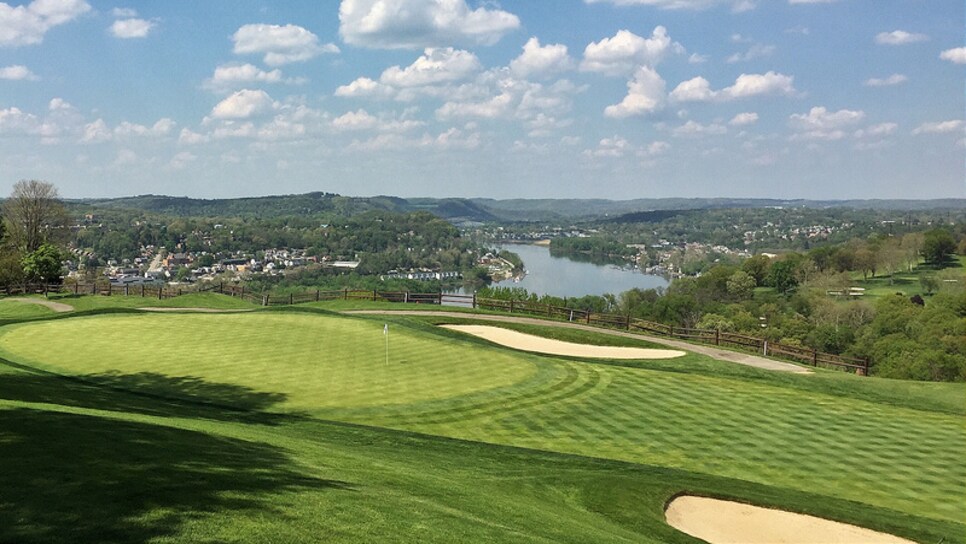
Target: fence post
<point>588,317</point>
<point>318,294</point>
<point>627,321</point>
<point>291,299</point>
<point>670,331</point>
<point>179,291</point>
<point>127,289</point>
<point>405,297</point>
<point>160,292</point>
<point>265,300</point>
<point>373,295</point>
<point>142,290</point>
<point>717,337</point>
<point>814,357</point>
<point>474,301</point>
<point>511,305</point>
<point>764,347</point>
<point>865,367</point>
<point>345,293</point>
<point>76,287</point>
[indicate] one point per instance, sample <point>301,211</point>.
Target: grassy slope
<point>759,430</point>
<point>12,309</point>
<point>176,472</point>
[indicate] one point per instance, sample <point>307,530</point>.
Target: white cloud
<point>434,66</point>
<point>956,55</point>
<point>876,131</point>
<point>736,5</point>
<point>746,85</point>
<point>645,94</point>
<point>280,44</point>
<point>125,157</point>
<point>625,51</point>
<point>452,139</point>
<point>364,87</point>
<point>698,59</point>
<point>228,76</point>
<point>615,147</point>
<point>821,124</point>
<point>181,159</point>
<point>27,24</point>
<point>899,37</point>
<point>15,121</point>
<point>355,120</point>
<point>756,51</point>
<point>96,132</point>
<point>242,104</point>
<point>17,72</point>
<point>161,128</point>
<point>412,24</point>
<point>131,28</point>
<point>696,89</point>
<point>894,79</point>
<point>540,60</point>
<point>939,127</point>
<point>769,83</point>
<point>124,13</point>
<point>189,137</point>
<point>693,128</point>
<point>744,119</point>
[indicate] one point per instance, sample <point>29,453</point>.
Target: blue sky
<point>616,99</point>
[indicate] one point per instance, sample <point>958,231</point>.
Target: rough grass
<point>12,309</point>
<point>879,453</point>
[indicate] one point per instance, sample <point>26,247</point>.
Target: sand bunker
<point>529,342</point>
<point>726,522</point>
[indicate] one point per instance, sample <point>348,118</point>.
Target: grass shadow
<point>77,478</point>
<point>145,393</point>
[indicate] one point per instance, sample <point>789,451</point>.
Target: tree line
<point>804,298</point>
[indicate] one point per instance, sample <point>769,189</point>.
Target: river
<point>563,277</point>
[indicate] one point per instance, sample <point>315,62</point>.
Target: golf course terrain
<point>299,424</point>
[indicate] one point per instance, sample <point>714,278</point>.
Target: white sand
<point>529,342</point>
<point>726,522</point>
<point>55,306</point>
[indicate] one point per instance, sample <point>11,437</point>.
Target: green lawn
<point>272,385</point>
<point>13,309</point>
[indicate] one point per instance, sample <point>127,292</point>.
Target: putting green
<point>314,361</point>
<point>436,383</point>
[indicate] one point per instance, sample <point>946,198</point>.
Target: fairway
<point>330,368</point>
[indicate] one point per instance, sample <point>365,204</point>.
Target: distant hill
<point>481,210</point>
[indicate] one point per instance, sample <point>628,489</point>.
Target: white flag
<point>385,329</point>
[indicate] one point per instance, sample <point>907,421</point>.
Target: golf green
<point>335,368</point>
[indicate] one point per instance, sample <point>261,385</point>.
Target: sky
<point>618,99</point>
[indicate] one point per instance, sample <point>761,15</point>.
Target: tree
<point>937,246</point>
<point>741,285</point>
<point>34,216</point>
<point>757,267</point>
<point>782,276</point>
<point>43,264</point>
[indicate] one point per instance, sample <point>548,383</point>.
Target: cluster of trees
<point>32,234</point>
<point>786,299</point>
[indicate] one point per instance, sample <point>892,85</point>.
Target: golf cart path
<point>711,351</point>
<point>58,307</point>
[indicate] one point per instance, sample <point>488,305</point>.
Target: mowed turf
<point>437,382</point>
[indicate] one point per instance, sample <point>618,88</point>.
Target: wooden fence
<point>715,337</point>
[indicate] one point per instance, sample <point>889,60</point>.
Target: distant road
<point>711,351</point>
